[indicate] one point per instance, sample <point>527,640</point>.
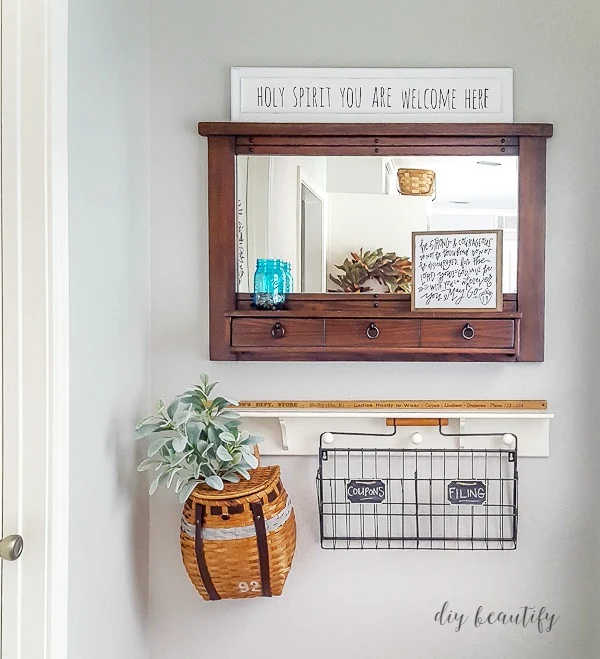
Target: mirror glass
<point>316,212</point>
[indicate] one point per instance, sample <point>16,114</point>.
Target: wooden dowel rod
<point>416,422</point>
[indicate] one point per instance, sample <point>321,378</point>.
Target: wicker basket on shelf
<point>239,542</point>
<point>416,182</point>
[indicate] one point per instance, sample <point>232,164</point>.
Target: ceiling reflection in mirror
<point>345,223</point>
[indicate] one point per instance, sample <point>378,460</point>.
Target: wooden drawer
<point>467,333</point>
<point>366,333</point>
<point>277,332</point>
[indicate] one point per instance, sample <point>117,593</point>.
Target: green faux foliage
<point>197,440</point>
<point>391,270</point>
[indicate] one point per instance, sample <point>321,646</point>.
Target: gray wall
<point>110,326</point>
<point>381,604</point>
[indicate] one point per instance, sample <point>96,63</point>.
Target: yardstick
<point>395,404</point>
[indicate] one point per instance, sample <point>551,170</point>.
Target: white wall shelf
<point>297,431</point>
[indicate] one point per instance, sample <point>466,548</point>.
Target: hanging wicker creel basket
<point>239,542</point>
<point>416,182</point>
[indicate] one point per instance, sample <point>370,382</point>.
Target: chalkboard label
<point>467,493</point>
<point>365,491</point>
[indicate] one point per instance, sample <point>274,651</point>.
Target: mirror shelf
<point>373,325</point>
<point>283,131</point>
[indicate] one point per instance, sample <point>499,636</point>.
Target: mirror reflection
<point>329,216</point>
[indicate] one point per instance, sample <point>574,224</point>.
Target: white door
<point>34,329</point>
<point>313,238</point>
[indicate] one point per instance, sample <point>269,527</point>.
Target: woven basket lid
<point>261,479</point>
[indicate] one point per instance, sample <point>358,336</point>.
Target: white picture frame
<point>457,270</point>
<point>354,95</point>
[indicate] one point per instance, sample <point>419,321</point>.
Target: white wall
<point>553,50</point>
<point>110,305</point>
<point>359,174</point>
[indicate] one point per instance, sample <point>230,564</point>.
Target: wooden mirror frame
<point>329,326</point>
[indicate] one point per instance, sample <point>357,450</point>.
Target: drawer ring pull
<point>278,331</point>
<point>372,331</point>
<point>468,332</point>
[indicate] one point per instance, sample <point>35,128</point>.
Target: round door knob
<point>11,547</point>
<point>372,331</point>
<point>278,331</point>
<point>468,332</point>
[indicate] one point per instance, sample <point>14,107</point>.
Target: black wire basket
<point>455,498</point>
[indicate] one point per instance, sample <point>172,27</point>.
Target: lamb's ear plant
<point>195,439</point>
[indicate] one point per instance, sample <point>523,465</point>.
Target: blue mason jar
<point>289,280</point>
<point>286,270</point>
<point>269,284</point>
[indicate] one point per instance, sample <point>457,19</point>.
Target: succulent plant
<point>392,271</point>
<point>197,440</point>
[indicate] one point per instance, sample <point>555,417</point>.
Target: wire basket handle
<point>508,438</point>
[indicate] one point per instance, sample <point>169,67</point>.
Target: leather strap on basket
<point>263,547</point>
<point>200,558</point>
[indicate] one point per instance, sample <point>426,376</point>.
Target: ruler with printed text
<point>395,404</point>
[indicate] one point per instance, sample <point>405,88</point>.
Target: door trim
<point>36,321</point>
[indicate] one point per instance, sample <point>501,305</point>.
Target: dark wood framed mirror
<point>376,325</point>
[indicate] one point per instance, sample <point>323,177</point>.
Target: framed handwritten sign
<point>457,270</point>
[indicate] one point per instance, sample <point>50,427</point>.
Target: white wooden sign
<point>457,270</point>
<point>371,95</point>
